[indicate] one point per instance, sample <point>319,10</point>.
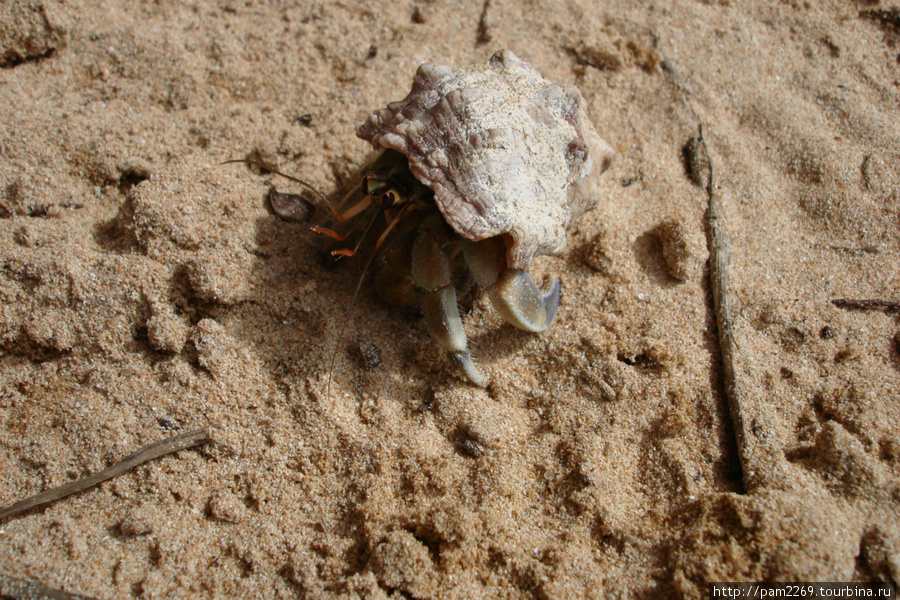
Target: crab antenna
<point>365,233</point>
<point>305,184</point>
<point>343,329</point>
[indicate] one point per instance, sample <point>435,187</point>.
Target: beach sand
<point>146,290</point>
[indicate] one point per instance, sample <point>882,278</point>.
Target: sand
<point>146,290</point>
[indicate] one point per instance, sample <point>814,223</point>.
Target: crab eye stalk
<point>391,198</point>
<point>372,185</point>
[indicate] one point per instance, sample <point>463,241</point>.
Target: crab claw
<point>518,300</point>
<point>512,291</point>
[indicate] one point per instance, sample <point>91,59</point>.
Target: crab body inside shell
<point>420,260</point>
<point>480,169</point>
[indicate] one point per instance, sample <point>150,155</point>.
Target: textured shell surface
<point>504,150</point>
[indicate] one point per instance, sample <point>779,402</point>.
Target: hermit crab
<point>480,169</point>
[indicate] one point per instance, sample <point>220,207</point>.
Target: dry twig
<point>850,303</point>
<point>148,453</point>
<point>702,172</point>
<point>25,589</point>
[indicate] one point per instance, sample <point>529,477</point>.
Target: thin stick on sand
<point>13,588</point>
<point>146,454</point>
<point>851,304</point>
<point>720,275</point>
<point>702,173</point>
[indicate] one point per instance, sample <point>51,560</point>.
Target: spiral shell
<point>504,150</point>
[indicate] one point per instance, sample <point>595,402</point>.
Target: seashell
<point>505,151</point>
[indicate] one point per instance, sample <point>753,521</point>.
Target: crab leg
<point>351,212</point>
<point>431,272</point>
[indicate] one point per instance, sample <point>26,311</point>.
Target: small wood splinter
<point>850,303</point>
<point>161,448</point>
